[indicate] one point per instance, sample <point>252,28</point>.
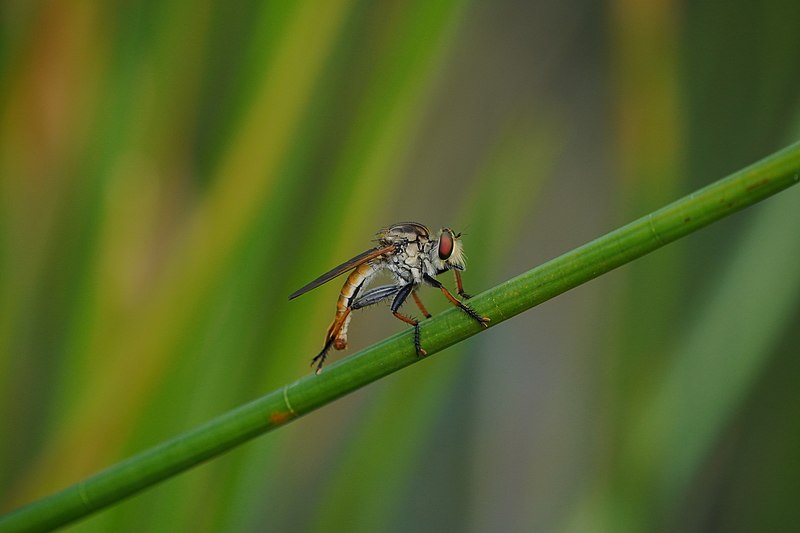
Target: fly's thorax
<point>410,262</point>
<point>405,232</point>
<point>412,241</point>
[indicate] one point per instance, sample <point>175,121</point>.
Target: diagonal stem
<point>684,216</point>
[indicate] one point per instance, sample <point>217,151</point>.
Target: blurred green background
<point>171,170</point>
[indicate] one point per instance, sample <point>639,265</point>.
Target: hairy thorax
<point>414,252</point>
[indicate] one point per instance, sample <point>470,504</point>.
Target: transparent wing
<point>369,255</point>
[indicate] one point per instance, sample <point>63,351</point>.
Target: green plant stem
<point>500,303</point>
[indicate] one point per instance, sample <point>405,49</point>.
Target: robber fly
<point>413,258</point>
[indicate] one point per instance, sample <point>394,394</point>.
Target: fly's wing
<point>369,255</point>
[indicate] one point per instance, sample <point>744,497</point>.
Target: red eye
<point>445,245</point>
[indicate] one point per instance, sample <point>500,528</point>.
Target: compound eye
<point>445,245</point>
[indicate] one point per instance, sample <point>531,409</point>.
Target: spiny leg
<point>482,320</point>
<point>417,342</point>
<point>320,357</point>
<point>419,303</point>
<point>402,294</point>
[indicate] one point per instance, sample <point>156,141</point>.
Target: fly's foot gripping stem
<point>415,323</point>
<point>319,359</point>
<point>482,320</point>
<point>460,286</point>
<point>402,294</point>
<point>417,344</point>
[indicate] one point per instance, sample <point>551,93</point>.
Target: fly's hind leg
<point>376,295</point>
<point>330,339</point>
<point>337,332</point>
<point>402,294</point>
<point>319,359</point>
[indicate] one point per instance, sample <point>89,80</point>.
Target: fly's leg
<point>417,343</point>
<point>330,339</point>
<point>460,286</point>
<point>336,336</point>
<point>482,320</point>
<point>376,295</point>
<point>419,303</point>
<point>319,359</point>
<point>402,294</point>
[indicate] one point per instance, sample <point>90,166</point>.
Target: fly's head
<point>448,253</point>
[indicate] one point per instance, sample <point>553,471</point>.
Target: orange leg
<point>482,320</point>
<point>460,286</point>
<point>420,305</point>
<point>333,332</point>
<point>398,301</point>
<point>413,322</point>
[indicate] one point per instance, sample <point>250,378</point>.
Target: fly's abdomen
<point>352,286</point>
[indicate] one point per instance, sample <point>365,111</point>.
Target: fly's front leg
<point>482,320</point>
<point>460,286</point>
<point>402,294</point>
